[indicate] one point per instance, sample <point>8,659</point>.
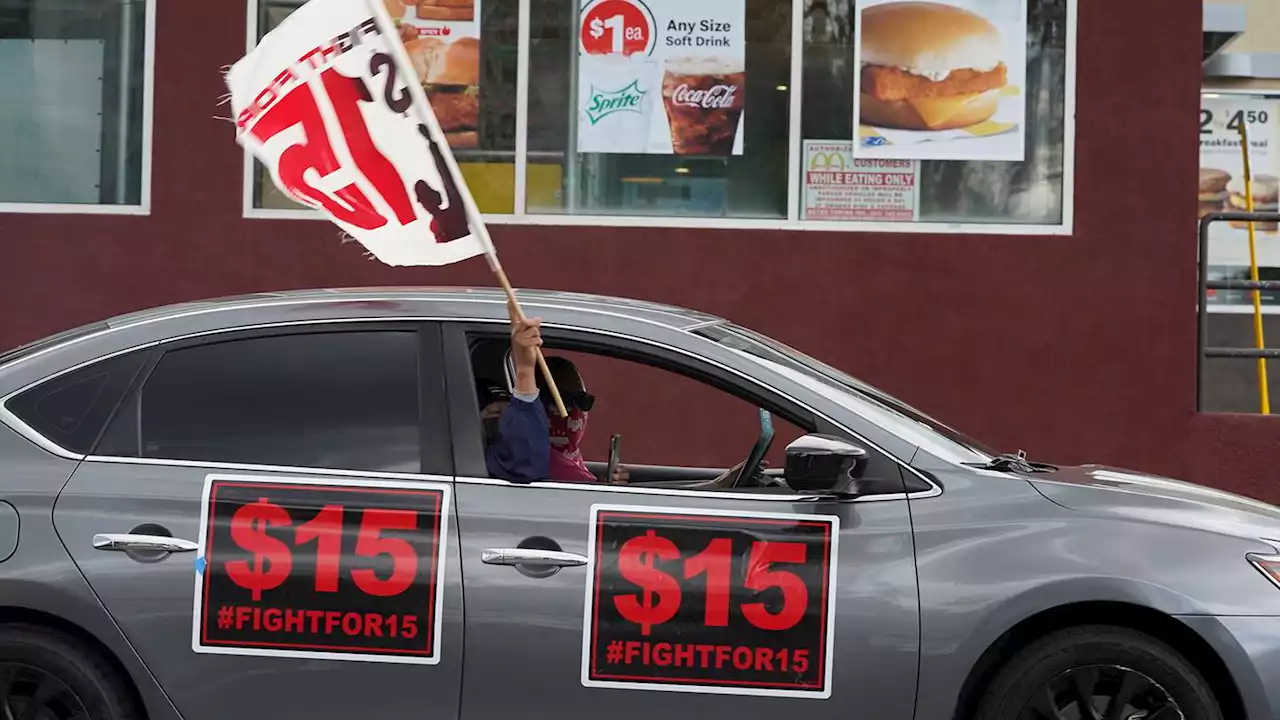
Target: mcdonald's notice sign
<point>839,187</point>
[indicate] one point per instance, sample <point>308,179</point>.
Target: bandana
<point>566,456</point>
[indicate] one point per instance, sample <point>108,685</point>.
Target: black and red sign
<point>709,602</point>
<point>341,569</point>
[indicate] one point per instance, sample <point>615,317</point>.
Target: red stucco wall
<point>1076,349</point>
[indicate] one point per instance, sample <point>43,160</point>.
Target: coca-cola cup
<point>704,98</point>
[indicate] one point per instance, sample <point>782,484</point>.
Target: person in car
<point>526,438</point>
<point>566,461</point>
<point>516,428</point>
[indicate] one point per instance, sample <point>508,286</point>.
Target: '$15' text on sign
<point>272,561</point>
<point>638,563</point>
<point>688,600</point>
<point>343,568</point>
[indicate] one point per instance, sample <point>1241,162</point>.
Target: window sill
<point>648,221</point>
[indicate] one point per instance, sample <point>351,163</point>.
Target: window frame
<point>520,215</point>
<point>468,449</point>
<point>434,451</point>
<point>143,208</point>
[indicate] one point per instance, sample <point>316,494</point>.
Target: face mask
<point>566,433</point>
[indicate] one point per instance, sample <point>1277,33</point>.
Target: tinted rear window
<point>71,410</point>
<point>346,400</point>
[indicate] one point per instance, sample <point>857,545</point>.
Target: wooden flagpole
<point>474,219</point>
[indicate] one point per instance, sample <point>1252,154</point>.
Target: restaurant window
<point>976,134</point>
<point>895,115</point>
<point>664,108</point>
<point>465,54</point>
<point>1232,385</point>
<point>74,100</point>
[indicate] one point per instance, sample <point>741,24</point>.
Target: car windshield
<point>946,441</point>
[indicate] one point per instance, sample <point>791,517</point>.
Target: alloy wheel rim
<point>30,693</point>
<point>1101,692</point>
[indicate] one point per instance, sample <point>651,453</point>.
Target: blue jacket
<point>522,450</point>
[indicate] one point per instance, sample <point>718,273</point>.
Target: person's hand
<point>620,476</point>
<point>526,338</point>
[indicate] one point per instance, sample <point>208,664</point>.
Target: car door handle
<point>531,556</point>
<point>127,542</point>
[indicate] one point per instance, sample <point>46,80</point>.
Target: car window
<point>72,409</point>
<point>345,400</point>
<point>668,419</point>
<point>677,430</point>
<point>941,438</point>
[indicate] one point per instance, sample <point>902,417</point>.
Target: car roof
<point>136,329</point>
<point>433,301</point>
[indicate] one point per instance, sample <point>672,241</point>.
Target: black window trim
<point>432,417</point>
<point>468,444</point>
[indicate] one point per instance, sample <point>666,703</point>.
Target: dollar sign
<point>597,28</point>
<point>636,562</point>
<point>272,560</point>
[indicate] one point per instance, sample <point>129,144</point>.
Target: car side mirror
<point>824,463</point>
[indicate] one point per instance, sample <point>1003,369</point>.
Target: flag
<point>329,102</point>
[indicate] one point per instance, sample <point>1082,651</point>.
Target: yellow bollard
<point>1259,340</point>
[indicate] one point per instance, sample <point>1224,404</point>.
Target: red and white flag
<point>329,102</point>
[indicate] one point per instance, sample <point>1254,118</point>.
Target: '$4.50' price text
<point>661,593</point>
<point>272,561</point>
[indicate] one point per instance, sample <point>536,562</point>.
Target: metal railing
<point>1205,285</point>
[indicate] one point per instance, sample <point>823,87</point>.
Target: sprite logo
<point>604,103</point>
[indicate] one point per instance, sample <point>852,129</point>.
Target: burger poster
<point>442,38</point>
<point>1222,187</point>
<point>941,80</point>
<point>661,77</point>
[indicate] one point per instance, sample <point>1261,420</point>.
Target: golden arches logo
<point>832,161</point>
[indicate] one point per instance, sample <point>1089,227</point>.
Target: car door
<point>268,520</point>
<point>590,600</point>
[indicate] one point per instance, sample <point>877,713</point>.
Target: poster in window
<point>1222,188</point>
<point>838,186</point>
<point>941,81</point>
<point>442,38</point>
<point>661,77</point>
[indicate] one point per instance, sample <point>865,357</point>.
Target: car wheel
<point>1098,673</point>
<point>46,675</point>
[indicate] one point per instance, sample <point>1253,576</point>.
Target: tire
<point>71,679</point>
<point>1041,677</point>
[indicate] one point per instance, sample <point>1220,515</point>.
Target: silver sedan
<point>282,505</point>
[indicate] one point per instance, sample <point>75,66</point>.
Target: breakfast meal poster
<point>442,38</point>
<point>1222,187</point>
<point>661,77</point>
<point>941,80</point>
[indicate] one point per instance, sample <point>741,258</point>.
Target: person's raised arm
<point>526,338</point>
<point>522,450</point>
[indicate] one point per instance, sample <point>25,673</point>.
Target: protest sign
<point>329,101</point>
